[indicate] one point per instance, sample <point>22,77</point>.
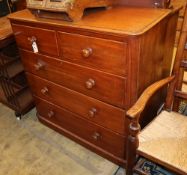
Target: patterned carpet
<point>151,168</point>
<point>147,167</point>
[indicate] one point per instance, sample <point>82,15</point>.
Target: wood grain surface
<point>139,106</point>
<point>118,20</point>
<point>45,39</point>
<point>88,131</point>
<point>106,115</point>
<point>5,29</point>
<point>106,55</point>
<point>73,76</point>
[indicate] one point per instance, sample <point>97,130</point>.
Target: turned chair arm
<point>135,111</point>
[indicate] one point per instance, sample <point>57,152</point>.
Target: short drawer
<point>94,110</point>
<point>102,54</point>
<point>45,39</point>
<point>88,131</point>
<point>105,87</point>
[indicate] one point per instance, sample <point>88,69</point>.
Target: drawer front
<point>94,110</point>
<point>102,54</point>
<point>105,87</point>
<point>98,136</point>
<point>41,39</point>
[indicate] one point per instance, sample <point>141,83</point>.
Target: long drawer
<point>97,53</point>
<point>43,40</point>
<point>102,86</point>
<point>98,136</point>
<point>94,110</point>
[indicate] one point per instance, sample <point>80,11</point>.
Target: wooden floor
<point>29,148</point>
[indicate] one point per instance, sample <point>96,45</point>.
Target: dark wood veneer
<point>74,77</point>
<point>106,115</point>
<point>82,128</point>
<point>102,54</point>
<point>45,39</point>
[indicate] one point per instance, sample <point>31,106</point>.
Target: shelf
<point>7,94</point>
<point>2,95</point>
<point>9,54</point>
<point>20,80</point>
<point>7,60</point>
<point>11,50</point>
<point>14,91</point>
<point>7,90</point>
<point>25,99</point>
<point>14,69</point>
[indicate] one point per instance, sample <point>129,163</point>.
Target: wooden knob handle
<point>96,136</point>
<point>32,39</point>
<point>51,114</point>
<point>92,112</point>
<point>44,90</point>
<point>39,66</point>
<point>86,52</point>
<point>90,83</point>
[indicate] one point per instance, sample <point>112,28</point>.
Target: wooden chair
<point>164,140</point>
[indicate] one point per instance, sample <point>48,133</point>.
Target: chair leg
<point>132,145</point>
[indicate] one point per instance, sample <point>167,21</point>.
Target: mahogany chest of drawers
<point>85,75</point>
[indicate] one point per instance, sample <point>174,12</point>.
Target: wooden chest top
<point>5,29</point>
<point>125,20</point>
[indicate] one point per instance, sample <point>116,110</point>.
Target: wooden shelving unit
<point>14,91</point>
